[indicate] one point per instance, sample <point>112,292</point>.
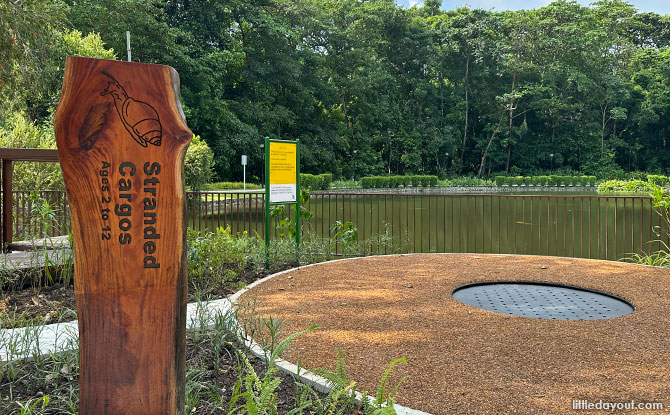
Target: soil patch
<point>46,305</point>
<point>56,303</point>
<point>467,360</point>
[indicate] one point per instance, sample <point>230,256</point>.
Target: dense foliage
<point>371,88</point>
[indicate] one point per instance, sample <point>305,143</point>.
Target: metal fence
<point>588,226</point>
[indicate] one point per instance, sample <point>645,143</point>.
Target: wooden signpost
<point>122,138</point>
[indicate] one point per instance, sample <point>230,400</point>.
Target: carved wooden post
<point>122,138</point>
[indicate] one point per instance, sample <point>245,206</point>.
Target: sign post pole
<point>244,172</point>
<point>298,200</point>
<point>267,202</point>
<point>122,138</point>
<point>282,184</point>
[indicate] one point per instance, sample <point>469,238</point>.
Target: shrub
<point>432,180</point>
<point>18,131</point>
<point>198,164</point>
<point>216,257</point>
<point>327,180</point>
<point>635,186</point>
<point>658,180</point>
<point>231,186</point>
<point>416,181</point>
<point>501,180</point>
<point>315,182</point>
<point>366,182</point>
<point>382,182</point>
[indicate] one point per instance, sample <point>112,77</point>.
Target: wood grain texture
<point>122,138</point>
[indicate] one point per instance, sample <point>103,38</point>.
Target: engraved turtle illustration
<point>140,119</point>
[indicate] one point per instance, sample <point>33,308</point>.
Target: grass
<point>221,375</point>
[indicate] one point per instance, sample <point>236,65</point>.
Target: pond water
<point>562,224</point>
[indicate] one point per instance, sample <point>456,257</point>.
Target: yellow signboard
<point>282,163</point>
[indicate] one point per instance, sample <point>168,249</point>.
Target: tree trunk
<point>465,127</point>
<point>511,117</point>
<point>344,106</point>
<point>602,131</point>
<point>488,145</point>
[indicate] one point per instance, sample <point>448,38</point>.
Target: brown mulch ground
<point>464,360</point>
<point>45,305</point>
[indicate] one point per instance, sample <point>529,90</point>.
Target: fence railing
<point>588,226</point>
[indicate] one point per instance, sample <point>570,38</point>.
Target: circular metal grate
<point>542,300</point>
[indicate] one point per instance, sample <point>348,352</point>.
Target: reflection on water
<point>575,225</point>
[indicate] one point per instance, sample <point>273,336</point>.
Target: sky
<point>657,6</point>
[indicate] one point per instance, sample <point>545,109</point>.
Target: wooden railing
<point>8,156</point>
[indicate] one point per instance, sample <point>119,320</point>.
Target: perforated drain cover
<point>541,300</point>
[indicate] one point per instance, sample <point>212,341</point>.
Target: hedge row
<point>231,186</point>
<point>658,180</point>
<point>634,186</point>
<point>316,181</point>
<point>552,180</point>
<point>379,182</point>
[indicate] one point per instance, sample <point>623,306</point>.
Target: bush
<point>326,180</point>
<point>315,182</point>
<point>198,164</point>
<point>501,180</point>
<point>633,186</point>
<point>658,180</point>
<point>380,182</point>
<point>216,257</point>
<point>231,186</point>
<point>309,181</point>
<point>18,131</point>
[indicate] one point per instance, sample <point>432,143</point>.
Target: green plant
<point>660,258</point>
<point>32,406</point>
<point>366,182</point>
<point>257,394</point>
<point>658,180</point>
<point>286,227</point>
<point>345,233</point>
<point>231,186</point>
<point>632,186</point>
<point>216,257</point>
<point>346,184</point>
<point>198,164</point>
<point>342,393</point>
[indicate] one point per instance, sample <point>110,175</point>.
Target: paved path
<point>27,342</point>
<point>30,254</point>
